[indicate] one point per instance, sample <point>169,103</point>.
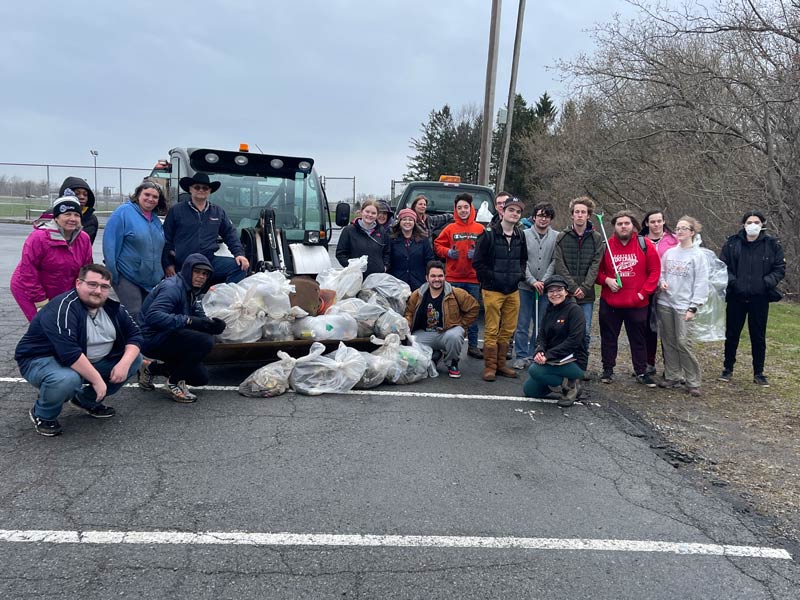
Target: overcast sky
<point>344,82</point>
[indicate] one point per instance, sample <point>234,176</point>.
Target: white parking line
<point>223,538</point>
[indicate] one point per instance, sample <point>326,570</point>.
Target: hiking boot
<point>607,376</point>
<point>669,383</point>
<point>453,370</point>
<point>645,379</point>
<point>44,427</point>
<point>760,380</point>
<point>489,363</point>
<point>474,352</point>
<point>726,376</point>
<point>695,392</point>
<point>650,370</point>
<point>569,393</point>
<point>180,393</point>
<point>101,411</point>
<point>502,368</point>
<point>145,377</point>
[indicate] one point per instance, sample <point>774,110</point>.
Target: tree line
<point>692,109</point>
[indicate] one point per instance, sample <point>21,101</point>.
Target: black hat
<point>556,281</point>
<point>202,179</point>
<point>66,203</point>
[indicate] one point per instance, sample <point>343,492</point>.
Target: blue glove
<point>471,253</point>
<point>452,253</point>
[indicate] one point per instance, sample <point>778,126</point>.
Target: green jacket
<point>578,260</point>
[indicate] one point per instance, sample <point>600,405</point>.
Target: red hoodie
<point>638,271</point>
<point>461,235</point>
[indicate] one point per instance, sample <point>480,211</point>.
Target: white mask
<point>752,229</point>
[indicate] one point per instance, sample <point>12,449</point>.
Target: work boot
<point>489,362</point>
<point>502,369</point>
<point>474,352</point>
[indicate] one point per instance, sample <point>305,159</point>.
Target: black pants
<point>611,321</point>
<point>756,311</point>
<point>182,352</point>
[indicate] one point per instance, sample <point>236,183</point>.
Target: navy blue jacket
<point>189,231</point>
<point>409,263</point>
<point>170,304</point>
<point>59,330</point>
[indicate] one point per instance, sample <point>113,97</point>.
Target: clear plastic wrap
<point>325,327</point>
<point>393,290</point>
<point>243,313</point>
<point>345,282</point>
<point>410,363</point>
<point>364,313</point>
<point>709,323</point>
<point>333,373</point>
<point>377,369</point>
<point>270,380</point>
<point>392,323</point>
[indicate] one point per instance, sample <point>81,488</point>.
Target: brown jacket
<point>458,306</point>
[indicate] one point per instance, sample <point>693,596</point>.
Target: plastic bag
<point>325,327</point>
<point>272,290</point>
<point>270,380</point>
<point>277,331</point>
<point>709,322</point>
<point>345,282</point>
<point>243,314</point>
<point>392,323</point>
<point>484,214</point>
<point>411,363</point>
<point>364,313</point>
<point>333,373</point>
<point>377,369</point>
<point>395,291</point>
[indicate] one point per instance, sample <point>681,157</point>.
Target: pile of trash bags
<point>260,307</point>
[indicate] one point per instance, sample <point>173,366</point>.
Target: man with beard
<point>439,315</point>
<point>632,261</point>
<point>79,337</point>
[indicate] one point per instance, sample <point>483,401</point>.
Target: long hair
<point>646,228</point>
<point>417,234</point>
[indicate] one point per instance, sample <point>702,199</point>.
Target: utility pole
<point>512,96</point>
<point>488,100</point>
<point>94,154</point>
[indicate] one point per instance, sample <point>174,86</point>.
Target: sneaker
<point>519,363</point>
<point>695,392</point>
<point>607,376</point>
<point>101,411</point>
<point>726,376</point>
<point>475,352</point>
<point>645,379</point>
<point>43,427</point>
<point>760,380</point>
<point>453,371</point>
<point>569,393</point>
<point>145,377</point>
<point>669,383</point>
<point>651,370</point>
<point>180,393</point>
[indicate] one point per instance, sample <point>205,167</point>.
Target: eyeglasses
<point>201,188</point>
<point>682,228</point>
<point>555,290</point>
<point>93,285</point>
<point>543,216</point>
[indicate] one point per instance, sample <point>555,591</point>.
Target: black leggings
<point>182,352</point>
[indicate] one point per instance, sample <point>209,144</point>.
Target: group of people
<point>536,286</point>
<point>78,335</point>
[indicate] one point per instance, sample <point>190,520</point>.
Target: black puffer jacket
<point>500,265</point>
<point>754,268</point>
<point>355,242</point>
<point>88,218</point>
<point>563,332</point>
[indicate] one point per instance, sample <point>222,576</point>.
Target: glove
<point>204,325</point>
<point>217,326</point>
<point>471,253</point>
<point>452,253</point>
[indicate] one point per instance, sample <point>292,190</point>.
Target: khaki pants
<point>500,317</point>
<point>679,360</point>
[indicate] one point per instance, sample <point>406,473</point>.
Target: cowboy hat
<point>199,178</point>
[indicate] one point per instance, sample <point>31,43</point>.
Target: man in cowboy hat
<point>193,227</point>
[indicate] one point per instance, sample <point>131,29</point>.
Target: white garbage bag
<point>270,380</point>
<point>364,313</point>
<point>484,215</point>
<point>412,363</point>
<point>393,290</point>
<point>272,289</point>
<point>243,313</point>
<point>333,373</point>
<point>378,368</point>
<point>392,323</point>
<point>345,282</point>
<point>325,327</point>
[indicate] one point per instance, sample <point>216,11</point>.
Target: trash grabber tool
<point>608,247</point>
<point>536,314</point>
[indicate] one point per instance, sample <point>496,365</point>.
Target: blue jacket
<point>171,303</point>
<point>133,245</point>
<point>59,330</point>
<point>409,263</point>
<point>188,231</point>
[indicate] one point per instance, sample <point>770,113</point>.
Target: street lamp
<point>95,154</point>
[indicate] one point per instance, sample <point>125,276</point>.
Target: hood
<point>469,220</point>
<point>448,289</point>
<point>190,263</point>
<point>385,207</point>
<point>743,234</point>
<point>76,182</point>
<point>55,231</point>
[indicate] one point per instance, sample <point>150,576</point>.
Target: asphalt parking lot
<point>445,488</point>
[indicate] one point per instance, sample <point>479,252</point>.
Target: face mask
<point>752,229</point>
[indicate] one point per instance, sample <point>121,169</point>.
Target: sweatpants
<point>449,342</point>
<point>679,360</point>
<point>611,321</point>
<point>500,316</point>
<point>756,311</point>
<point>182,353</point>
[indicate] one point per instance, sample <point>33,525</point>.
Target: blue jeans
<point>587,314</point>
<point>226,270</point>
<point>474,290</point>
<point>57,384</point>
<point>524,338</point>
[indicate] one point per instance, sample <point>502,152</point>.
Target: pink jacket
<point>667,241</point>
<point>49,266</point>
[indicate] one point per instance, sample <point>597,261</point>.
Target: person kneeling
<point>560,357</point>
<point>439,315</point>
<point>79,337</point>
<point>177,331</point>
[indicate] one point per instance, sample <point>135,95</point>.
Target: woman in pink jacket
<point>51,258</point>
